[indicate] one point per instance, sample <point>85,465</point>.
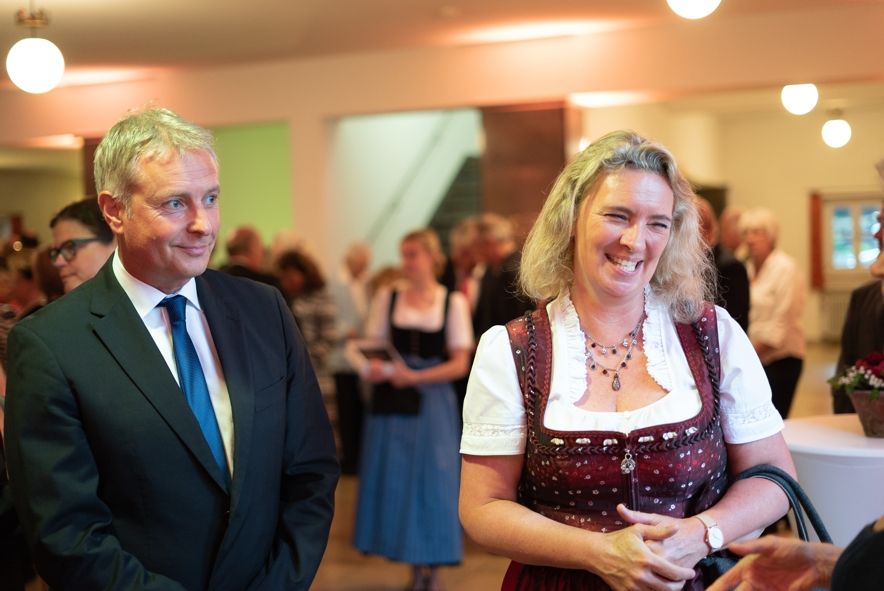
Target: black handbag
<point>386,399</point>
<point>715,565</point>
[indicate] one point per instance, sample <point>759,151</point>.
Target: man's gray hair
<point>148,133</point>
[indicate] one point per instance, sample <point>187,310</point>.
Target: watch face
<point>716,539</point>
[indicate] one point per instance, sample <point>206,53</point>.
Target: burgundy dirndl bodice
<point>578,478</point>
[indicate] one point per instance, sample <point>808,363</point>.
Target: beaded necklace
<point>628,344</point>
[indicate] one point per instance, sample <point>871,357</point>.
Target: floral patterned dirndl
<point>578,478</point>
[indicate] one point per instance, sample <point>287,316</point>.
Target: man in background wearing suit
<point>500,297</point>
<point>733,280</point>
<point>164,426</point>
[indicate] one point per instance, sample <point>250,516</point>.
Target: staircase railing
<point>400,191</point>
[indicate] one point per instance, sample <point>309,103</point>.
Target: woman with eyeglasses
<point>82,242</point>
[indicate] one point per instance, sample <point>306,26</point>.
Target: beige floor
<point>345,569</point>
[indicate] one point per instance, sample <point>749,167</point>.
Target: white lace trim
<point>752,416</point>
<point>575,340</point>
<point>495,431</point>
<point>655,356</point>
<point>652,332</point>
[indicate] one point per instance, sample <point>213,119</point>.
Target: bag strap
<point>798,500</point>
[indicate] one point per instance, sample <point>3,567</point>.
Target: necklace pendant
<point>615,383</point>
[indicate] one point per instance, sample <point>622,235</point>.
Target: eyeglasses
<point>68,249</point>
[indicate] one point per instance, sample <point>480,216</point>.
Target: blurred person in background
<point>26,293</point>
<point>463,272</point>
<point>47,276</point>
<point>863,331</point>
<point>245,256</point>
<point>304,287</point>
<point>464,268</point>
<point>81,242</point>
<point>409,475</point>
<point>729,231</point>
<point>777,292</point>
<point>733,281</point>
<point>350,292</point>
<point>500,299</point>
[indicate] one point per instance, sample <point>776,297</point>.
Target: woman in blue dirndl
<point>409,478</point>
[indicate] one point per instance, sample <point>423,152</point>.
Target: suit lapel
<point>123,333</point>
<point>225,322</point>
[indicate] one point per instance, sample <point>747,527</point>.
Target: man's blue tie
<point>193,381</point>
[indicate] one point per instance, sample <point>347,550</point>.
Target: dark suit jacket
<point>862,334</point>
<point>15,562</point>
<point>113,480</point>
<point>500,299</point>
<point>733,285</point>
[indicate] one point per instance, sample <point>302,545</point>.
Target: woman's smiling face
<point>621,231</point>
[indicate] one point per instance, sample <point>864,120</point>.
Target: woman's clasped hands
<point>655,553</point>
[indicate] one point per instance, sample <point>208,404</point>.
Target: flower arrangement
<point>865,374</point>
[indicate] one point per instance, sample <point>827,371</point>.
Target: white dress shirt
<point>146,298</point>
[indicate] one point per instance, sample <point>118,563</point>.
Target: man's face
<point>167,234</point>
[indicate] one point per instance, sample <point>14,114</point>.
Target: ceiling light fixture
<point>836,131</point>
<point>34,64</point>
<point>693,9</point>
<point>799,99</point>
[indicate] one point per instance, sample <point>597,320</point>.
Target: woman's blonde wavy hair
<point>683,278</point>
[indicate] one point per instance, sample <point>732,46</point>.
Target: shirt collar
<point>145,297</point>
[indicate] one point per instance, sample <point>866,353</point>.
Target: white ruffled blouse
<point>494,415</point>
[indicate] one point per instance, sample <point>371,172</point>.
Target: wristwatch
<point>713,538</point>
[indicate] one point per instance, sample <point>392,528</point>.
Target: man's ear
<point>113,210</point>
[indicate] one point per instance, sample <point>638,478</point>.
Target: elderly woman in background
<point>599,431</point>
<point>407,508</point>
<point>777,293</point>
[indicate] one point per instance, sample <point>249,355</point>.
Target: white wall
<point>405,159</point>
<point>692,136</point>
<point>37,195</point>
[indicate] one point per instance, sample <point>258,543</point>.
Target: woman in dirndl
<point>409,475</point>
<point>600,431</point>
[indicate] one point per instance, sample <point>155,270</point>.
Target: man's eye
<point>174,204</point>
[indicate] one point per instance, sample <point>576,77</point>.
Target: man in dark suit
<point>500,298</point>
<point>863,330</point>
<point>165,429</point>
<point>733,280</point>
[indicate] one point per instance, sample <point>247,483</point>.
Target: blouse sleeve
<point>377,326</point>
<point>747,413</point>
<point>494,414</point>
<point>459,332</point>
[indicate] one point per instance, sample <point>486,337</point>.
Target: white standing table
<point>841,470</point>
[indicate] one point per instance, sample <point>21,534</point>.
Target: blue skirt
<point>409,481</point>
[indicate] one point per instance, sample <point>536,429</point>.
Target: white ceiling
<point>95,33</point>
